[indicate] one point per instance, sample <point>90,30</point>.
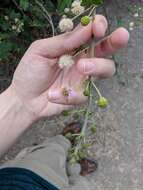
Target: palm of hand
<point>41,77</point>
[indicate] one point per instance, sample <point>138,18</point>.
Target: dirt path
<point>119,139</point>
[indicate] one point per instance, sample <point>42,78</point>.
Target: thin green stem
<point>97,90</point>
<point>77,148</point>
<point>92,12</point>
<point>91,54</point>
<point>75,17</point>
<point>86,116</point>
<point>81,138</point>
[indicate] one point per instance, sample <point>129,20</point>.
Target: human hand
<point>37,79</point>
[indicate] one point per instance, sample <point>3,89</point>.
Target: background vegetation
<point>21,22</point>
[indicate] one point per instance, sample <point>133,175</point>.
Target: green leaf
<point>82,154</point>
<point>4,36</point>
<point>5,48</point>
<point>13,14</point>
<point>4,25</point>
<point>62,4</point>
<point>50,6</point>
<point>24,4</point>
<point>65,113</point>
<point>91,2</point>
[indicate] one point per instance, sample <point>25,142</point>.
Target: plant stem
<point>91,54</point>
<point>19,8</point>
<point>92,12</point>
<point>81,51</point>
<point>92,45</point>
<point>86,116</point>
<point>89,46</point>
<point>97,90</point>
<point>48,17</point>
<point>81,13</point>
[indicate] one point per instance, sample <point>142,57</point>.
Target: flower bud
<point>66,25</point>
<point>102,102</point>
<point>85,20</point>
<point>86,92</point>
<point>93,129</point>
<point>65,61</point>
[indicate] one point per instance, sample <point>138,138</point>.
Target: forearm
<point>14,119</point>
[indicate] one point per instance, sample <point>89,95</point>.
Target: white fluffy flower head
<point>16,20</point>
<point>77,10</point>
<point>65,61</point>
<point>6,17</point>
<point>66,10</point>
<point>66,25</point>
<point>131,24</point>
<point>76,3</point>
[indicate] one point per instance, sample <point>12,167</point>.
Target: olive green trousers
<point>49,161</point>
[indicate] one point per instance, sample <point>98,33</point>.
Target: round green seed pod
<point>102,102</point>
<point>93,129</point>
<point>86,92</point>
<point>85,20</point>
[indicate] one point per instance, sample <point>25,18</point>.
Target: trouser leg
<point>79,183</point>
<point>47,160</point>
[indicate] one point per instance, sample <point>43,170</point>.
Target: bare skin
<point>35,90</point>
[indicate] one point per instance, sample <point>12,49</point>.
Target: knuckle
<point>35,43</point>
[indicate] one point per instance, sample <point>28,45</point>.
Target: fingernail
<point>53,95</point>
<point>100,28</point>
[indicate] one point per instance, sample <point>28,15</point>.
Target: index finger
<point>99,26</point>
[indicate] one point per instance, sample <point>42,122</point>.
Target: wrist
<point>12,102</point>
<point>14,119</point>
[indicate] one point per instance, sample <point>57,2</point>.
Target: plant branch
<point>97,90</point>
<point>86,115</point>
<point>91,54</point>
<point>47,16</point>
<point>16,4</point>
<point>81,13</point>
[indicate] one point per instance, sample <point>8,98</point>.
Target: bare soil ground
<point>118,144</point>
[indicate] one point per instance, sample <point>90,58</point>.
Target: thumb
<point>64,43</point>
